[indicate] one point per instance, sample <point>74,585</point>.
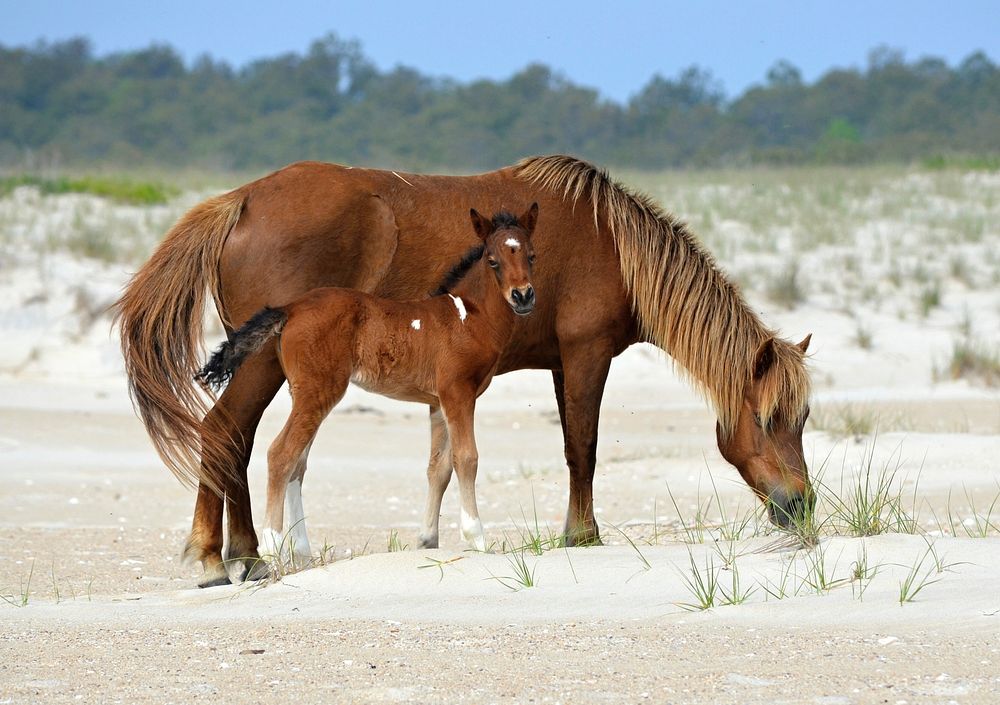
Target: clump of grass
<point>523,575</point>
<point>979,524</point>
<point>706,586</point>
<point>24,591</point>
<point>703,586</point>
<point>873,504</point>
<point>916,580</point>
<point>785,288</point>
<point>929,299</point>
<point>844,420</point>
<point>862,573</point>
<point>393,544</point>
<point>779,590</point>
<point>119,188</point>
<point>974,360</point>
<point>863,336</point>
<point>819,578</point>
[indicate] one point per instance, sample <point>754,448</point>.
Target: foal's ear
<point>530,217</point>
<point>804,345</point>
<point>764,359</point>
<point>483,226</point>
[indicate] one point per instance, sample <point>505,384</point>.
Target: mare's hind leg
<point>459,411</point>
<point>438,476</point>
<point>579,390</point>
<point>237,412</point>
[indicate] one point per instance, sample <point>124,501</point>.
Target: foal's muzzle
<point>523,300</point>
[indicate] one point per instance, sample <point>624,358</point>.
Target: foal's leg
<point>581,386</point>
<point>459,411</point>
<point>311,402</point>
<point>237,412</point>
<point>295,518</point>
<point>438,475</point>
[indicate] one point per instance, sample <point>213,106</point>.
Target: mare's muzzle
<point>787,509</point>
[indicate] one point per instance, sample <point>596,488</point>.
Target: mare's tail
<point>250,338</point>
<point>160,316</point>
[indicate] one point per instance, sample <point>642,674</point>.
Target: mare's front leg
<point>459,405</point>
<point>236,414</point>
<point>579,389</point>
<point>438,475</point>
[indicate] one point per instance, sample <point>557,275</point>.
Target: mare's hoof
<point>427,543</point>
<point>583,538</point>
<point>208,581</point>
<point>254,570</point>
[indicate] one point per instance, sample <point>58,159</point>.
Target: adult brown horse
<point>613,270</point>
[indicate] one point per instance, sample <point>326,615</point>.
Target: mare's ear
<point>763,359</point>
<point>804,345</point>
<point>530,217</point>
<point>482,226</point>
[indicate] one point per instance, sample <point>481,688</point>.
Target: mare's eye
<point>493,263</point>
<point>756,420</point>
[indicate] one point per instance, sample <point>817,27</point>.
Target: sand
<point>98,607</point>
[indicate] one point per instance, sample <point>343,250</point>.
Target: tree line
<point>62,104</point>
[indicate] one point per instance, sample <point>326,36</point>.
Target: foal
<point>441,351</point>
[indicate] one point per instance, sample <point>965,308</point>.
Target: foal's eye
<point>493,263</point>
<point>531,258</point>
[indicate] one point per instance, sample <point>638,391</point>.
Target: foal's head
<point>508,252</point>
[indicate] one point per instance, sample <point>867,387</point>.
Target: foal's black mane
<point>456,273</point>
<point>501,220</point>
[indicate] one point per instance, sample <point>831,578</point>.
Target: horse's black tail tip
<point>250,338</point>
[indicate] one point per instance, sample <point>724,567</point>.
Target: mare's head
<point>765,439</point>
<point>509,254</point>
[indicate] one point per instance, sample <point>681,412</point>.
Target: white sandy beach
<point>98,607</point>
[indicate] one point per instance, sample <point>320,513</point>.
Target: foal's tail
<point>250,338</point>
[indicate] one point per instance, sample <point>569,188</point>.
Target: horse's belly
<point>393,389</point>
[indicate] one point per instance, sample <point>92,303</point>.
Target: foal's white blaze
<point>415,324</point>
<point>512,242</point>
<point>472,531</point>
<point>295,520</point>
<point>460,305</point>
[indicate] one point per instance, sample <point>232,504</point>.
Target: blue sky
<point>614,47</point>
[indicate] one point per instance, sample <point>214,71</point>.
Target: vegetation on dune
<point>65,106</point>
<point>121,189</point>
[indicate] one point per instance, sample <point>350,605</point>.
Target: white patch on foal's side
<point>513,242</point>
<point>415,324</point>
<point>460,305</point>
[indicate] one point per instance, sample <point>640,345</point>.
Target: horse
<point>614,269</point>
<point>441,351</point>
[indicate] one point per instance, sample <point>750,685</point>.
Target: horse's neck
<point>487,314</point>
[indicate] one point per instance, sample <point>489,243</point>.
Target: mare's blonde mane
<point>684,303</point>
